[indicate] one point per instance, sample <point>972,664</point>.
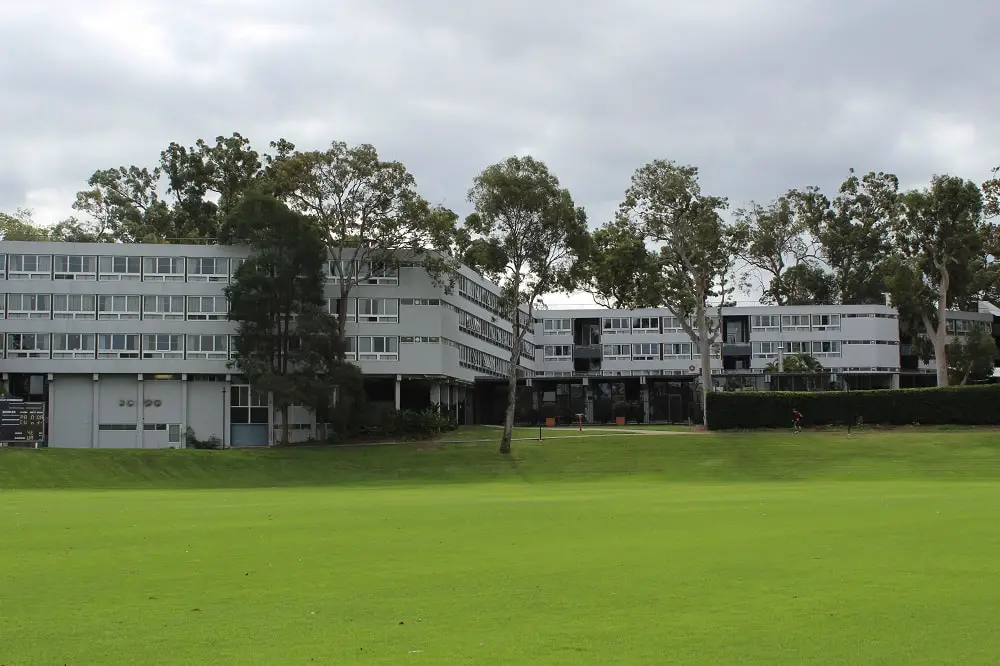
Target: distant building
<point>129,346</point>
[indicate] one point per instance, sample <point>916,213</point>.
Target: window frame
<point>200,354</point>
<point>201,315</point>
<point>372,354</point>
<point>128,314</point>
<point>152,348</point>
<point>67,313</point>
<point>37,350</point>
<point>36,312</point>
<point>80,352</point>
<point>652,325</point>
<point>129,349</point>
<point>653,353</point>
<point>171,314</point>
<point>160,276</point>
<point>202,276</point>
<point>24,273</point>
<point>384,317</point>
<point>69,273</point>
<point>107,271</point>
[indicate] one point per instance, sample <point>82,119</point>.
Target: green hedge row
<point>953,405</point>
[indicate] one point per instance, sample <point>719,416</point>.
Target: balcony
<point>736,349</point>
<point>587,352</point>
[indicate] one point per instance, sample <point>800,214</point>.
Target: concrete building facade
<point>130,346</point>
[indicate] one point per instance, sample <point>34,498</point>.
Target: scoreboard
<point>21,421</point>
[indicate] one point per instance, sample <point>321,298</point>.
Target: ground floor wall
<point>173,411</point>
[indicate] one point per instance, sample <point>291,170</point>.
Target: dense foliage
<point>965,405</point>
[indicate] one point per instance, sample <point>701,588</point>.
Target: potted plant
<point>551,411</point>
<point>620,411</point>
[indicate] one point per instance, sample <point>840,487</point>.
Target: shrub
<point>192,441</point>
<point>952,405</point>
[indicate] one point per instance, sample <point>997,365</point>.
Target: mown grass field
<point>648,549</point>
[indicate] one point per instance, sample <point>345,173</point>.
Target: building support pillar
<point>270,418</point>
<point>644,391</point>
<point>436,401</point>
<point>895,381</point>
<point>50,410</point>
<point>399,392</point>
<point>226,434</point>
<point>140,412</point>
<point>184,411</point>
<point>95,434</point>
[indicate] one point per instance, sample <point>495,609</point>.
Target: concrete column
<point>95,435</point>
<point>399,392</point>
<point>184,411</point>
<point>51,410</point>
<point>645,401</point>
<point>270,418</point>
<point>895,381</point>
<point>140,415</point>
<point>435,395</point>
<point>227,399</point>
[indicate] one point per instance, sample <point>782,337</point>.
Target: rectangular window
<point>120,268</point>
<point>208,347</point>
<point>646,351</point>
<point>646,325</point>
<point>351,349</point>
<point>117,345</point>
<point>174,433</point>
<point>795,322</point>
<point>557,327</point>
<point>73,345</point>
<point>558,352</point>
<point>74,267</point>
<point>117,427</point>
<point>29,267</point>
<point>208,269</point>
<point>248,406</point>
<point>766,322</point>
<point>618,352</point>
<point>616,325</point>
<point>163,307</point>
<point>377,273</point>
<point>826,322</point>
<point>677,350</point>
<point>207,308</point>
<point>163,269</point>
<point>672,325</point>
<point>766,349</point>
<point>798,347</point>
<point>826,348</point>
<point>378,348</point>
<point>162,346</point>
<point>28,345</point>
<point>29,306</point>
<point>118,307</point>
<point>340,270</point>
<point>74,306</point>
<point>378,310</point>
<point>333,307</point>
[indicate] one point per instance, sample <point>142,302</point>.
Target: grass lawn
<point>705,549</point>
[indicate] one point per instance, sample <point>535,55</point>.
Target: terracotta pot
<point>620,420</point>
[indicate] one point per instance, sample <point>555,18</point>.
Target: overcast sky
<point>762,95</point>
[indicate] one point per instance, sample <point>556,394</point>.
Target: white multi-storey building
<point>130,346</point>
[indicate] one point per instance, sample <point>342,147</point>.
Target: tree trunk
<point>515,354</point>
<point>705,351</point>
<point>941,336</point>
<point>342,321</point>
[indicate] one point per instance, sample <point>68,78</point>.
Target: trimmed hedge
<point>953,405</point>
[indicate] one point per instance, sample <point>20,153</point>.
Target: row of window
<point>172,346</point>
<point>652,324</point>
<point>191,308</point>
<point>817,348</point>
<point>168,269</point>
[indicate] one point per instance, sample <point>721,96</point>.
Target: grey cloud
<point>761,95</point>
